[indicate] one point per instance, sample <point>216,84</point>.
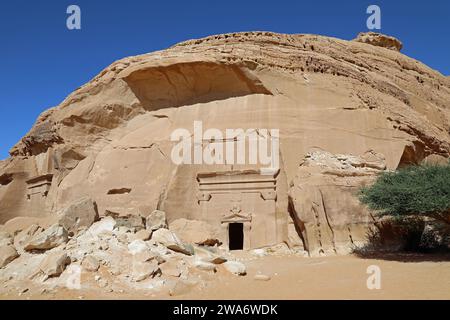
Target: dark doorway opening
<point>236,236</point>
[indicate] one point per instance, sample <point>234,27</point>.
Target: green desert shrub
<point>422,191</point>
<point>410,199</point>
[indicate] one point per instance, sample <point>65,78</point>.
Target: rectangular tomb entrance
<point>236,236</point>
<point>242,205</point>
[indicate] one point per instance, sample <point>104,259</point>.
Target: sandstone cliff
<point>345,109</point>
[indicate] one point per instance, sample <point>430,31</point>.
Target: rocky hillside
<point>345,110</point>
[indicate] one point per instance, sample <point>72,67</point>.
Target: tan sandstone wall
<point>110,139</point>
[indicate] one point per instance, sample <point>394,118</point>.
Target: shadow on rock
<point>407,240</point>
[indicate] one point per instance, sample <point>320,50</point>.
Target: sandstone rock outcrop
<point>81,214</point>
<point>19,224</point>
<point>364,107</point>
<point>51,238</point>
<point>54,264</point>
<point>23,237</point>
<point>143,235</point>
<point>209,256</point>
<point>91,263</point>
<point>324,200</point>
<point>138,264</point>
<point>170,240</point>
<point>128,221</point>
<point>106,225</point>
<point>380,40</point>
<point>156,220</point>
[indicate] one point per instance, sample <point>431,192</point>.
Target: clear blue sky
<point>42,61</point>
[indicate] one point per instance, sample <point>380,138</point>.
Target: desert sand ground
<point>342,277</point>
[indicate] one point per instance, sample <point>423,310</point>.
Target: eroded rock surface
<point>106,262</point>
<point>81,214</point>
<point>51,238</point>
<point>324,200</point>
<point>54,264</point>
<point>380,40</point>
<point>345,110</point>
<point>7,254</point>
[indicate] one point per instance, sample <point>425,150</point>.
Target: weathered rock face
<point>192,231</point>
<point>7,254</point>
<point>49,239</point>
<point>156,220</point>
<point>54,264</point>
<point>380,40</point>
<point>24,237</point>
<point>324,202</point>
<point>169,240</point>
<point>5,239</point>
<point>81,214</point>
<point>110,139</point>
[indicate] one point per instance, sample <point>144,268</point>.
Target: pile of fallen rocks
<point>118,251</point>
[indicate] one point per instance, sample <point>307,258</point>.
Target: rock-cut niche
<point>190,83</point>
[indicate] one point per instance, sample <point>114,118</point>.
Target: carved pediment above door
<point>235,214</point>
<point>237,217</point>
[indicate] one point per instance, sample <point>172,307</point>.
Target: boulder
<point>26,235</point>
<point>7,255</point>
<point>235,267</point>
<point>170,240</point>
<point>435,159</point>
<point>208,256</point>
<point>142,235</point>
<point>54,264</point>
<point>143,270</point>
<point>103,226</point>
<point>123,235</point>
<point>51,238</point>
<point>204,266</point>
<point>156,220</point>
<point>262,277</point>
<point>379,40</point>
<point>137,246</point>
<point>80,214</point>
<point>90,263</point>
<point>133,222</point>
<point>216,259</point>
<point>18,224</point>
<point>194,231</point>
<point>260,252</point>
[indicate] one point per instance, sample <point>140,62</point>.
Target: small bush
<point>422,191</point>
<point>410,199</point>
